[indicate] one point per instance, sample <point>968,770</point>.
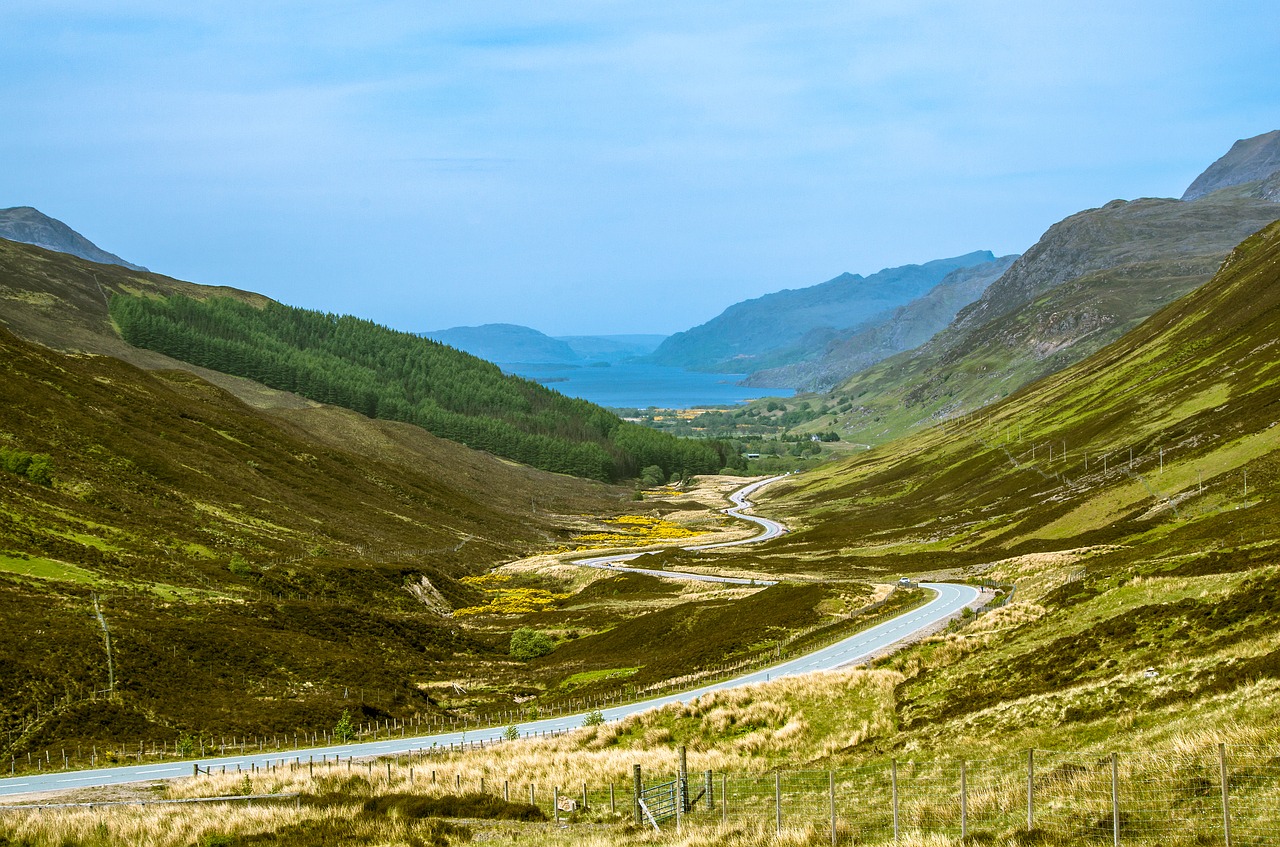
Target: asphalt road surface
<point>851,651</point>
<point>771,529</point>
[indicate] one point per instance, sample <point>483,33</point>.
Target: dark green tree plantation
<point>382,373</point>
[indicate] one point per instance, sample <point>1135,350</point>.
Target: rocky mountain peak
<point>1248,160</point>
<point>31,226</point>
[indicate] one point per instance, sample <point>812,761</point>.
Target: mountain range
<point>1088,279</point>
<point>846,353</point>
<point>515,344</point>
<point>780,328</point>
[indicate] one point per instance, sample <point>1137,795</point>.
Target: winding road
<point>858,648</point>
<point>772,529</point>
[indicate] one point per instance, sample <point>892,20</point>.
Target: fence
<point>201,745</point>
<point>1209,796</point>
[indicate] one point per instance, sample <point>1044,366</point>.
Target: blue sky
<point>604,167</point>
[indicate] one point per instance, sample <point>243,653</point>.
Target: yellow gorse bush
<point>488,580</point>
<point>631,530</point>
<point>514,601</point>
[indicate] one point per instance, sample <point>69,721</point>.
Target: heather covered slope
<point>1194,392</point>
<point>252,575</point>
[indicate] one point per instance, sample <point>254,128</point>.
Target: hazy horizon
<point>588,169</point>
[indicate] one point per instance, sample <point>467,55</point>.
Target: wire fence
<point>1210,796</point>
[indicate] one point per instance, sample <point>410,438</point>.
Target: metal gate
<point>658,803</point>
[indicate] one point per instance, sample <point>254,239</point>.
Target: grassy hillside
<point>1168,560</point>
<point>260,561</point>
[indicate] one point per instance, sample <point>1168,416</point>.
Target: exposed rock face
<point>31,226</point>
<point>1248,160</point>
<point>429,596</point>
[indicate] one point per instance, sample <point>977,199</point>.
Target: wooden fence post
<point>1226,793</point>
<point>831,799</point>
<point>777,799</point>
<point>1031,790</point>
<point>893,779</point>
<point>1115,800</point>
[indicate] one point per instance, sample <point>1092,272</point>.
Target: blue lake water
<point>631,385</point>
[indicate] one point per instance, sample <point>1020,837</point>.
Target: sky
<point>604,167</point>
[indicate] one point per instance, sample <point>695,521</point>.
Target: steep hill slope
<point>1197,383</point>
<point>31,226</point>
<point>743,337</point>
<point>1089,279</point>
<point>1131,499</point>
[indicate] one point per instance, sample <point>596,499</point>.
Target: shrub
<point>529,644</point>
<point>239,566</point>
<point>593,718</point>
<point>37,467</point>
<point>344,730</point>
<point>186,747</point>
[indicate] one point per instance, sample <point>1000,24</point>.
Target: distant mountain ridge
<point>782,327</point>
<point>906,327</point>
<point>505,343</point>
<point>515,344</point>
<point>31,226</point>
